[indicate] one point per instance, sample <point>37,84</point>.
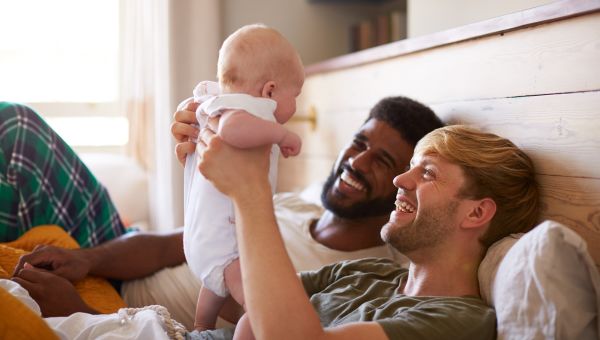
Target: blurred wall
<point>318,30</point>
<point>194,34</point>
<point>429,16</point>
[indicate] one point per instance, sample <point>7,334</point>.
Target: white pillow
<point>546,287</point>
<point>490,264</point>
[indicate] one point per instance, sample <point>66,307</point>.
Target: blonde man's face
<point>428,207</point>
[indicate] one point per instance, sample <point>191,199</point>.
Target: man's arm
<point>270,282</point>
<point>46,273</point>
<point>127,257</point>
<point>137,255</point>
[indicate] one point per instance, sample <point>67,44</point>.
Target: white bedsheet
<point>146,324</point>
<point>143,325</point>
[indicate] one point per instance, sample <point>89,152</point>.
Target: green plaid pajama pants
<point>42,181</point>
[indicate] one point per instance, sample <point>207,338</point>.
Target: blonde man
<point>464,190</point>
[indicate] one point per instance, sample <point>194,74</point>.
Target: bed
<point>531,76</point>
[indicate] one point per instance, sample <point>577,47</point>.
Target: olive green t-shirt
<point>365,290</point>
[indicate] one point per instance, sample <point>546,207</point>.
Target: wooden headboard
<point>532,76</point>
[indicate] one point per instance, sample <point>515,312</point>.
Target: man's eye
<point>428,174</point>
<point>384,162</point>
<point>358,144</point>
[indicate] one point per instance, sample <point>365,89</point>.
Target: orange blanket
<point>96,292</point>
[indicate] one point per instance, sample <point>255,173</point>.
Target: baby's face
<point>286,95</point>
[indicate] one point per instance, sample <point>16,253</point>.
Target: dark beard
<point>368,208</point>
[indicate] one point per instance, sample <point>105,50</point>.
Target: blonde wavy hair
<point>494,167</point>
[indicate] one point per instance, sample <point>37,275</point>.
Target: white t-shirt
<point>294,216</point>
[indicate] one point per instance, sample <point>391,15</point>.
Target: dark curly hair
<point>412,119</point>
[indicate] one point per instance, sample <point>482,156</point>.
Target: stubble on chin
<point>429,228</point>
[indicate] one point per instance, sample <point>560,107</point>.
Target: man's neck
<point>347,234</point>
<point>445,275</point>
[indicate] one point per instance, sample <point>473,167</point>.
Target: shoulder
<point>9,106</point>
<point>373,263</point>
<point>10,110</point>
<point>376,267</point>
<point>440,318</point>
<point>288,198</point>
<point>293,202</point>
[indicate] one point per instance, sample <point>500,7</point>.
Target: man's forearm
<point>136,255</point>
<point>273,285</point>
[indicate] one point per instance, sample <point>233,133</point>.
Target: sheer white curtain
<point>167,46</point>
<point>141,22</point>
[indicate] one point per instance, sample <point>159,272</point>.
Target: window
<point>62,58</point>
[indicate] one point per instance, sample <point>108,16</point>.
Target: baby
<point>260,75</point>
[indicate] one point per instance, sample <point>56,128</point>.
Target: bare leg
<point>207,309</point>
<point>233,280</point>
<point>231,311</point>
<point>243,330</point>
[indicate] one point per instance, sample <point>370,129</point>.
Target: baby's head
<point>259,61</point>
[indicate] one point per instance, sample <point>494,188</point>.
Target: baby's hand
<point>290,144</point>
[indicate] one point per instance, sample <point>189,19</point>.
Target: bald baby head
<point>254,55</point>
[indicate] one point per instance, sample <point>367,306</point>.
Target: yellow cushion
<point>95,291</point>
<point>19,322</point>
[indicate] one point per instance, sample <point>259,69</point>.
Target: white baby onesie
<point>209,239</point>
